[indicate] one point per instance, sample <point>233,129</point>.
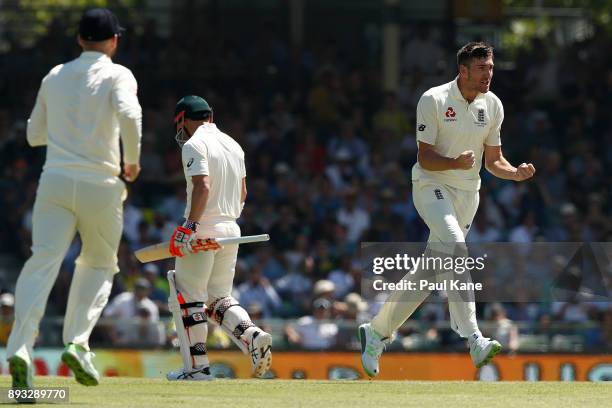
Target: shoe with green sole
<point>21,374</point>
<point>372,346</point>
<point>482,350</point>
<point>78,359</point>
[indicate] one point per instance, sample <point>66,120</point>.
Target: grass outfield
<point>140,392</point>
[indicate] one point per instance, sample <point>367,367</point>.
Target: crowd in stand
<point>328,163</point>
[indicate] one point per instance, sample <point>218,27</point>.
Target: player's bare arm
<point>185,234</point>
<point>496,164</point>
<point>199,196</point>
<point>243,191</point>
<point>431,160</point>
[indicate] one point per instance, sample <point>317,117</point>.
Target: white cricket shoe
<point>260,347</point>
<point>372,346</point>
<point>483,349</point>
<point>21,369</point>
<point>79,361</point>
<point>201,374</point>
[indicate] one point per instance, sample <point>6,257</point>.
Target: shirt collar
<point>94,55</point>
<point>209,126</point>
<point>456,93</point>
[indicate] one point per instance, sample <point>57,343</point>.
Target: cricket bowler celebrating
<point>201,284</point>
<point>456,123</point>
<point>81,109</point>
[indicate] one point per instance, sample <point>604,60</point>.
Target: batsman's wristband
<point>192,225</point>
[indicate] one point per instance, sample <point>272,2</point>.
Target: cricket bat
<point>162,251</point>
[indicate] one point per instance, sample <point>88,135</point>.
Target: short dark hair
<point>473,50</point>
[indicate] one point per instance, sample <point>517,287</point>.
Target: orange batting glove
<point>182,237</point>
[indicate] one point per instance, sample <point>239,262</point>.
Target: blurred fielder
<point>216,191</point>
<point>456,123</point>
<point>81,108</point>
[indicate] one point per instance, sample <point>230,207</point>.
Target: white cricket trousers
<point>209,274</point>
<point>448,212</point>
<point>64,206</point>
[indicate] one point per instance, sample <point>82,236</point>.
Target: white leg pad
<point>175,308</point>
<point>191,327</point>
<point>232,319</point>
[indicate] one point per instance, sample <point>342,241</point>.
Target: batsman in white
<point>456,123</point>
<point>81,108</point>
<point>201,284</point>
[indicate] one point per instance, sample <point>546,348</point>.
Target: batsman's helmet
<point>190,107</point>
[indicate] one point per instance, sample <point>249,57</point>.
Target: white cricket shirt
<point>213,153</point>
<point>452,125</point>
<point>81,108</point>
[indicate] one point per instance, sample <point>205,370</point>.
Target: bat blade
<point>161,251</point>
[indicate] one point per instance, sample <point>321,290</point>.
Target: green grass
<point>141,392</point>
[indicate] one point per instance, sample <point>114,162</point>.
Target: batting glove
<point>182,237</point>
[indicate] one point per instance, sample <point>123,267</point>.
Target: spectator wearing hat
<point>326,289</point>
<point>568,226</point>
<point>126,307</point>
<point>343,171</point>
<point>314,332</point>
<point>126,304</point>
<point>356,308</point>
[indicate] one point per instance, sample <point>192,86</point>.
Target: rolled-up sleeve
<point>37,132</point>
<point>129,114</point>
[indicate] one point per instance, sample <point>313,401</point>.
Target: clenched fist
<point>465,160</point>
<point>524,171</point>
